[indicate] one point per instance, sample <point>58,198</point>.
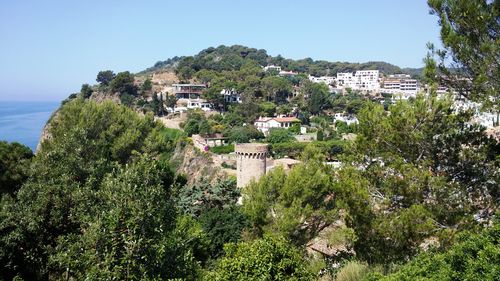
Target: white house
<point>201,104</point>
<point>272,68</point>
<point>231,96</point>
<point>346,118</point>
<point>264,124</point>
<point>328,80</point>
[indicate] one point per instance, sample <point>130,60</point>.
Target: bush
<point>270,258</point>
<point>352,271</point>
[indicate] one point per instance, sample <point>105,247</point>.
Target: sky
<point>48,49</point>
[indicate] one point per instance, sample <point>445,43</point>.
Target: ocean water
<point>23,121</point>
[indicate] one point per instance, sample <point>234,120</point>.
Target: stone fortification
<point>250,162</point>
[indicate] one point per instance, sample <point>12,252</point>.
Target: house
<point>287,73</point>
<point>188,91</point>
<point>264,124</point>
<point>231,96</point>
<point>328,80</point>
<point>346,118</point>
<point>201,104</point>
<point>272,68</point>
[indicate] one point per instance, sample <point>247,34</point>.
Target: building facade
<point>362,80</point>
<point>264,124</point>
<point>188,91</point>
<point>401,86</point>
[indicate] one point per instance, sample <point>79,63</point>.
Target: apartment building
<point>362,80</point>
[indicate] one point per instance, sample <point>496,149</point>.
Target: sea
<point>23,121</point>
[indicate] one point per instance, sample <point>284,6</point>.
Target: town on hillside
<point>227,97</point>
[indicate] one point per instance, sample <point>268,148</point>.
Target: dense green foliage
<point>196,199</point>
<point>473,257</point>
<point>329,149</point>
<point>226,149</point>
<point>229,58</point>
<point>15,159</point>
<point>292,204</point>
<point>85,210</point>
<point>270,258</point>
<point>222,226</point>
<point>279,135</point>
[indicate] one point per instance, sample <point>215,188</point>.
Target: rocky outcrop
<point>196,165</point>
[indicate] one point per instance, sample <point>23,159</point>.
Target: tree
<point>279,135</point>
<point>88,142</point>
<point>86,212</point>
<point>196,199</point>
<point>222,226</point>
<point>293,204</point>
<point>15,160</point>
<point>473,257</point>
<point>146,87</point>
<point>161,106</point>
<point>270,258</point>
<point>276,89</point>
<point>267,108</point>
<point>318,97</point>
<point>470,35</point>
<point>105,76</point>
<point>243,134</point>
<point>86,91</point>
<point>123,83</point>
<point>424,168</point>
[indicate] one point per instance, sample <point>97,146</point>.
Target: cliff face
<point>198,166</point>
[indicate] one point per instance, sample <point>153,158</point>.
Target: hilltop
<point>227,58</point>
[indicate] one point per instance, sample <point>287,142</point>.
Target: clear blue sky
<point>49,48</point>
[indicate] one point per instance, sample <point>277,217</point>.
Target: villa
<point>264,124</point>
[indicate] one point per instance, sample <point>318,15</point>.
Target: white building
<point>264,124</point>
<point>401,86</point>
<point>287,73</point>
<point>231,96</point>
<point>363,80</point>
<point>201,104</point>
<point>272,68</point>
<point>346,118</point>
<point>328,80</point>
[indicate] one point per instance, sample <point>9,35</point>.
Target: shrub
<point>352,271</point>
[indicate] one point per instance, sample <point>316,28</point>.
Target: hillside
<point>228,58</point>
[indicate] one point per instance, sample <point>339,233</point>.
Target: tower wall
<point>250,162</point>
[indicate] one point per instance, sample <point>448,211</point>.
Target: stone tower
<point>250,162</point>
